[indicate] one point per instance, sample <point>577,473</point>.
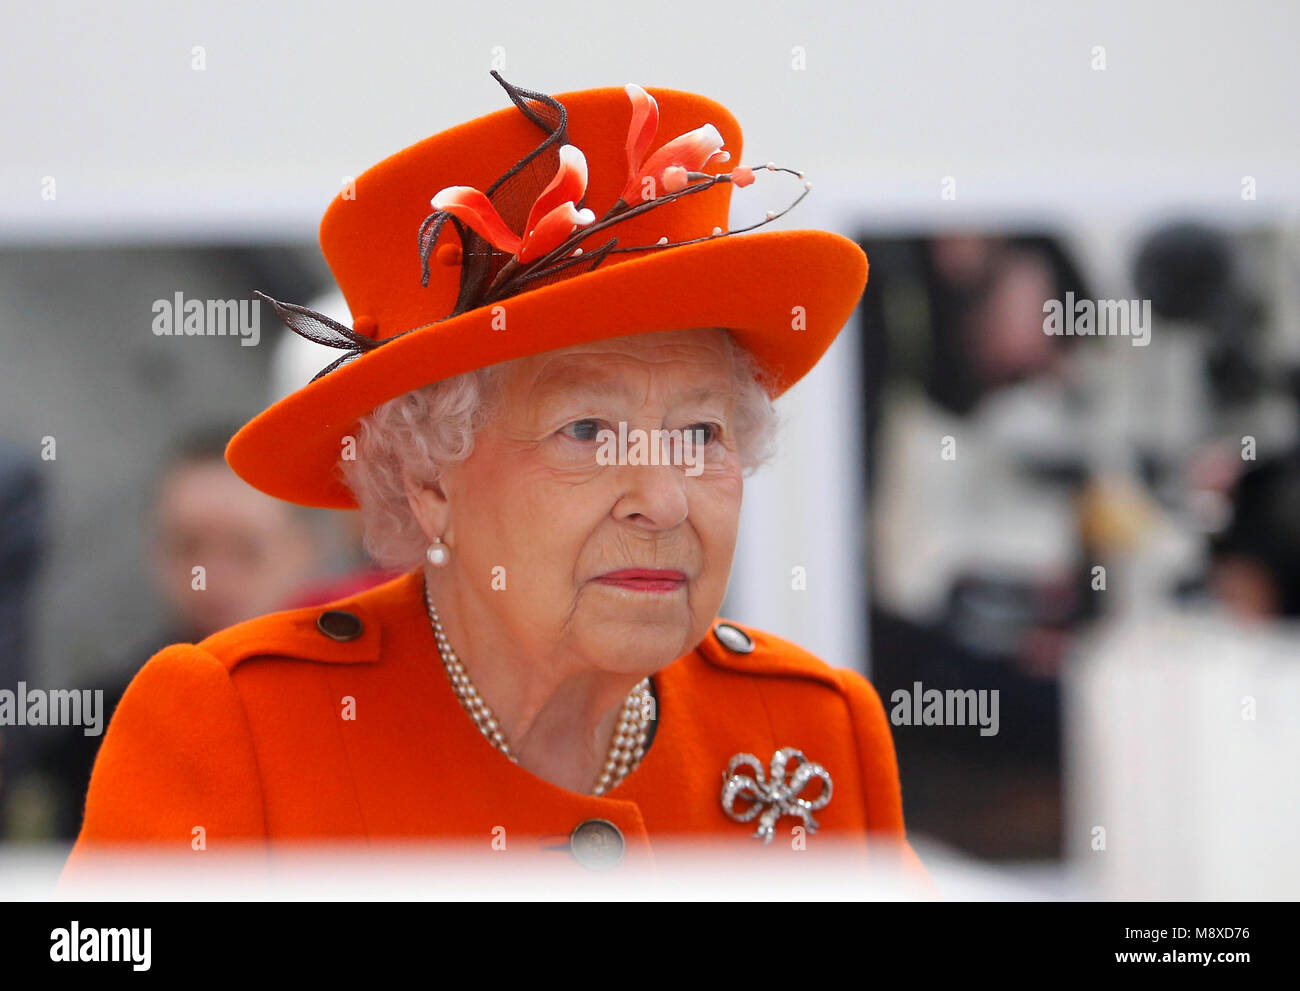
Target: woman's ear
<point>429,505</point>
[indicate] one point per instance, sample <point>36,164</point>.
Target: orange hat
<point>553,224</point>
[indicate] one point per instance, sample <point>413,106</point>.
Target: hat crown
<point>369,233</point>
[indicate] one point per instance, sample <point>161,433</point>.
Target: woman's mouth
<point>644,579</point>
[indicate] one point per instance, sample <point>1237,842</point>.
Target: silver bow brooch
<point>777,797</point>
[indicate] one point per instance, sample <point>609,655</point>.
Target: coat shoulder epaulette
<point>746,649</point>
<point>342,632</point>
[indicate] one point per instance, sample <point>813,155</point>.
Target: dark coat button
<point>338,624</point>
<point>596,844</point>
<point>733,638</point>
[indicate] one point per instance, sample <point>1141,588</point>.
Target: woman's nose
<point>654,496</point>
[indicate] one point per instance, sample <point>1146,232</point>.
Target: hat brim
<point>785,295</point>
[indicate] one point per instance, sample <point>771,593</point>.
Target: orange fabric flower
<point>691,151</point>
<point>553,217</point>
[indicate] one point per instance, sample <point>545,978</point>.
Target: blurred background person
<point>976,560</point>
<point>220,552</point>
<point>1106,535</point>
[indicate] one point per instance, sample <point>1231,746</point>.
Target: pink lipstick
<point>644,579</point>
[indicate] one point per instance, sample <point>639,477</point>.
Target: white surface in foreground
<point>29,873</point>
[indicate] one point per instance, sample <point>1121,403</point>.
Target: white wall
<point>297,95</point>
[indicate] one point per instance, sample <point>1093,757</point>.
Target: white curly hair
<point>430,428</point>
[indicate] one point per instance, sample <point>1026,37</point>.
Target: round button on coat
<point>339,624</point>
<point>733,638</point>
<point>597,844</point>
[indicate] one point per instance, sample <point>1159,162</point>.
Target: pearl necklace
<point>625,750</point>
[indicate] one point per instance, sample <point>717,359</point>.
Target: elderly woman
<point>547,421</point>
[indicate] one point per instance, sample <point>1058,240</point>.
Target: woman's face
<point>538,519</point>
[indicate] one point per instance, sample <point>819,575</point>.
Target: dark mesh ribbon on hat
<point>317,327</point>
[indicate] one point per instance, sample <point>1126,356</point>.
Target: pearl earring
<point>438,553</point>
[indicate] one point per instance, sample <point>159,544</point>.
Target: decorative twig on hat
<point>513,237</point>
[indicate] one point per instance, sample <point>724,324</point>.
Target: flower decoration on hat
<point>528,228</point>
<point>553,218</point>
<point>669,167</point>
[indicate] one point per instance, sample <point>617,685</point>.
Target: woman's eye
<point>582,430</point>
<point>702,433</point>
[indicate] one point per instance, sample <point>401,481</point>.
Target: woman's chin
<point>639,639</point>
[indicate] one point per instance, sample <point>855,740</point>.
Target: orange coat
<point>245,736</point>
